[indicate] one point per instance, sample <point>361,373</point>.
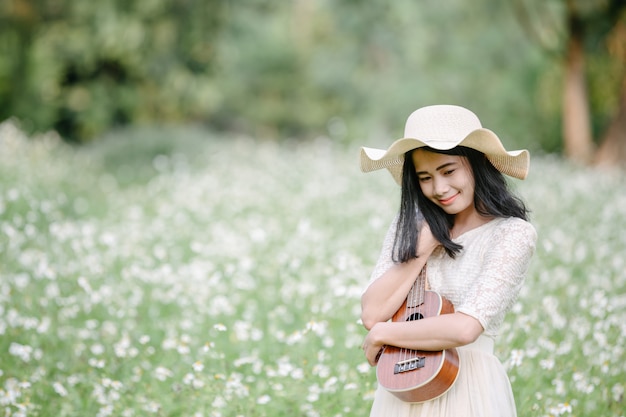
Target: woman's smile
<point>449,200</point>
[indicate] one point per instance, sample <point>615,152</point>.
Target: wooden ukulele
<point>415,375</point>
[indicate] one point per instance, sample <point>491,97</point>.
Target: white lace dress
<point>483,281</point>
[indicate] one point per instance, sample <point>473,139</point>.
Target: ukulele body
<point>415,375</point>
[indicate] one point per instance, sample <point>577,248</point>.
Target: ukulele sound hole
<point>415,316</point>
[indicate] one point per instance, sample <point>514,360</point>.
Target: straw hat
<point>444,127</point>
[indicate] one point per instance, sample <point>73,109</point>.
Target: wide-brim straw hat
<point>444,127</point>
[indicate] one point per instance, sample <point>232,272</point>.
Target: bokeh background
<point>541,73</point>
<point>184,229</point>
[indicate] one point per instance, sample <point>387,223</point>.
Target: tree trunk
<point>612,151</point>
<point>576,119</point>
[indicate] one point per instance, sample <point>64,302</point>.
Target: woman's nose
<point>440,187</point>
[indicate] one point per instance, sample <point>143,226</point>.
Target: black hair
<point>492,197</point>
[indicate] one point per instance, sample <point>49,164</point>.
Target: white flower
<point>581,381</point>
<point>152,407</point>
<point>559,386</point>
<point>161,373</point>
<point>198,366</point>
<point>330,384</point>
<point>219,402</point>
<point>97,349</point>
<point>24,352</point>
<point>547,363</point>
<point>264,399</point>
<point>96,363</point>
<point>59,389</point>
<point>560,409</point>
<point>105,411</point>
<point>297,373</point>
<point>363,367</point>
<point>188,378</point>
<point>517,356</point>
<point>321,370</point>
<point>618,392</point>
<point>183,349</point>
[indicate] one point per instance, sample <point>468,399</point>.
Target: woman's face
<point>446,180</point>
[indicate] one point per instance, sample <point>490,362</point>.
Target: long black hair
<point>492,197</point>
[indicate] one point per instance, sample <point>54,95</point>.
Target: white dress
<point>483,281</point>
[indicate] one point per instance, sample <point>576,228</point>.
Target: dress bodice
<point>485,278</point>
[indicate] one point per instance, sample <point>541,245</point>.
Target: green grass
<point>170,272</point>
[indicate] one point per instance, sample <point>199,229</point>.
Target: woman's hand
<point>426,242</point>
<point>385,295</point>
<point>372,348</point>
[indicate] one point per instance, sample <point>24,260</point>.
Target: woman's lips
<point>448,201</point>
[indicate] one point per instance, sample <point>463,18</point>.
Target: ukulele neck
<point>416,294</point>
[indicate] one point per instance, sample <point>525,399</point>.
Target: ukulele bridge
<point>409,365</point>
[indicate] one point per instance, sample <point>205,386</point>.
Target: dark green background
<point>296,69</point>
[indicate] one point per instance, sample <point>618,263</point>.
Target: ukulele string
<point>421,284</point>
<point>414,294</point>
<point>413,310</point>
<point>408,310</point>
<point>407,314</point>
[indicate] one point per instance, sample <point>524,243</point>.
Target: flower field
<point>171,273</point>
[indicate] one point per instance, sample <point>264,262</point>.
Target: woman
<point>458,219</point>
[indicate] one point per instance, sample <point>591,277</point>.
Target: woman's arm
<point>433,333</point>
<point>386,294</point>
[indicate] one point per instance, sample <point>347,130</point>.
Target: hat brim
<point>512,163</point>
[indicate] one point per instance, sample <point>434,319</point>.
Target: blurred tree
<point>83,67</point>
<point>263,67</point>
<point>612,150</point>
<point>590,38</point>
<point>306,68</point>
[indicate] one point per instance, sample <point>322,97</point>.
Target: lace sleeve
<point>385,260</point>
<point>502,271</point>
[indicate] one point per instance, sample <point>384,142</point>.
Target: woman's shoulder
<point>517,229</point>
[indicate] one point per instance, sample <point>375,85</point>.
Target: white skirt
<point>482,389</point>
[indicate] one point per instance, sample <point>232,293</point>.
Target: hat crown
<point>440,125</point>
<point>443,127</point>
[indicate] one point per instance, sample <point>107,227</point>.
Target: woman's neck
<point>466,221</point>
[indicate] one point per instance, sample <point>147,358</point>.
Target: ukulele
<point>415,375</point>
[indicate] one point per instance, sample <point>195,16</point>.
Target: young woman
<point>458,220</point>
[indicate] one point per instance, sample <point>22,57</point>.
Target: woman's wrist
<point>378,333</point>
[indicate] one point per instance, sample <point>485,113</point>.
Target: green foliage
<point>82,68</point>
<point>298,69</point>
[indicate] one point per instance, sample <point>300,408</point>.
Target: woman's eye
<point>423,179</point>
<point>449,172</point>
